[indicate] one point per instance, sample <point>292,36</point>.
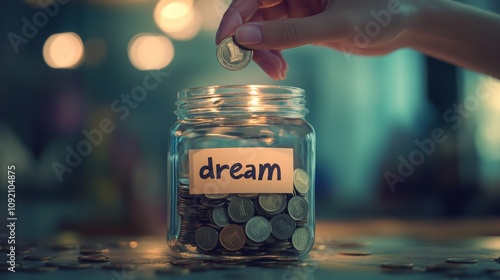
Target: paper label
<point>241,170</point>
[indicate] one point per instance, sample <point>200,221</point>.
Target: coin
<point>206,238</point>
<point>216,196</point>
<point>300,238</point>
<point>240,209</point>
<point>231,56</point>
<point>93,258</point>
<point>397,265</point>
<point>461,260</point>
<point>301,181</point>
<point>297,208</point>
<point>220,216</point>
<point>248,195</point>
<point>232,237</point>
<point>258,229</point>
<point>354,253</point>
<point>283,226</point>
<point>41,258</point>
<point>64,246</point>
<point>272,203</point>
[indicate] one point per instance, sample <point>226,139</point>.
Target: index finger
<point>238,13</point>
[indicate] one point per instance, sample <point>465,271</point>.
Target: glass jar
<point>241,173</point>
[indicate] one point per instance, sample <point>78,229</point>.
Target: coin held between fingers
<point>231,56</point>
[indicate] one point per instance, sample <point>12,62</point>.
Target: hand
<point>368,27</point>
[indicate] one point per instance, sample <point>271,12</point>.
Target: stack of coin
<point>246,224</point>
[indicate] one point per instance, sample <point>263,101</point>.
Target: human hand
<point>367,27</point>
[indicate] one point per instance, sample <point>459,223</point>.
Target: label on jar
<point>241,170</point>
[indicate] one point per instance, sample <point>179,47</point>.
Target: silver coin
<point>272,203</point>
<point>248,195</point>
<point>461,260</point>
<point>258,229</point>
<point>300,238</point>
<point>283,226</point>
<point>240,209</point>
<point>216,196</point>
<point>354,253</point>
<point>206,238</point>
<point>220,217</point>
<point>397,265</point>
<point>94,258</point>
<point>297,208</point>
<point>231,56</point>
<point>301,181</point>
<point>39,258</point>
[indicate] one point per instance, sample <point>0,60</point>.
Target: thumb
<point>285,33</point>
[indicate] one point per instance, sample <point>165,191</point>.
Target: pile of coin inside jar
<point>246,224</point>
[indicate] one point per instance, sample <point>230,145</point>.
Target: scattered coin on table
<point>461,260</point>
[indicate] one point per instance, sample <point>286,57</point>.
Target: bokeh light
<point>63,50</point>
<point>150,51</point>
<point>179,19</point>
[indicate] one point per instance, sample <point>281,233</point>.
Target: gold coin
<point>231,56</point>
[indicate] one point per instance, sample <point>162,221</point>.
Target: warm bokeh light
<point>150,52</point>
<point>133,244</point>
<point>179,19</point>
<point>488,134</point>
<point>63,50</point>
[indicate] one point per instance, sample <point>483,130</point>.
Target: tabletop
<point>372,249</point>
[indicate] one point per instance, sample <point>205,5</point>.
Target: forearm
<point>456,33</point>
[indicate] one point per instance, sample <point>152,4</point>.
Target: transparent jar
<point>241,173</point>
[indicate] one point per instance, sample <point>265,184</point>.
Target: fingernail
<point>248,35</point>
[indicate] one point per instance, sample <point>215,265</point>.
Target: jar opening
<point>247,100</point>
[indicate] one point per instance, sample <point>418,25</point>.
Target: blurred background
<point>107,72</point>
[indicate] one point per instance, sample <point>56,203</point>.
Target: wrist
<point>422,22</point>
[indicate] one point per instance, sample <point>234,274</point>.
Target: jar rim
<point>241,100</point>
<point>194,92</point>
